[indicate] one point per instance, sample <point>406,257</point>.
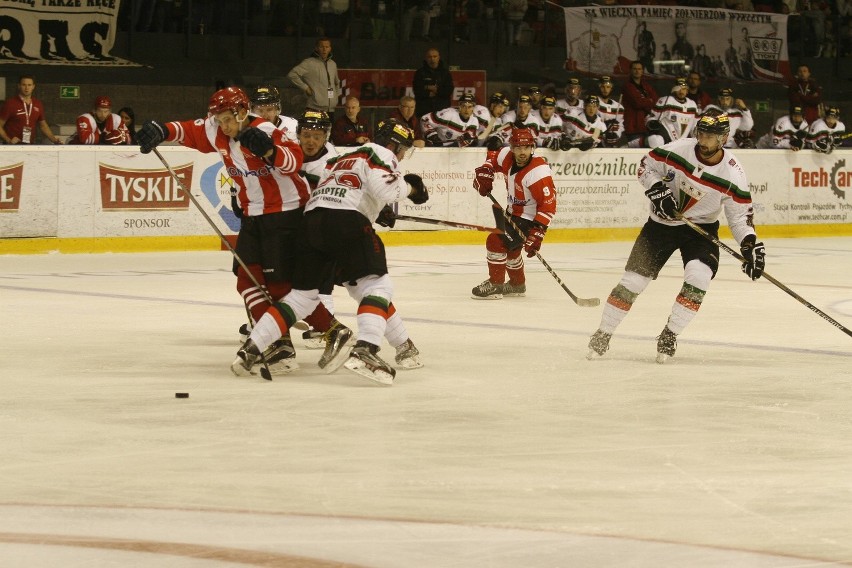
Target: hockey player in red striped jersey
<point>695,178</point>
<point>531,202</point>
<point>272,194</point>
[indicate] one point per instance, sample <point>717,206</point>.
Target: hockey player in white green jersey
<point>693,178</point>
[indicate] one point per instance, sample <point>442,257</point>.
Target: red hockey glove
<point>484,180</point>
<point>534,237</point>
<point>115,137</point>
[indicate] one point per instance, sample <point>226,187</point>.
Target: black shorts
<point>270,241</point>
<point>511,239</point>
<point>337,246</point>
<point>657,242</point>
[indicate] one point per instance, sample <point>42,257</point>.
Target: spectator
<point>451,126</point>
<point>383,19</point>
<point>788,132</point>
<point>405,113</point>
<point>514,10</point>
<point>696,93</point>
<point>418,10</point>
<point>638,98</point>
<point>806,93</point>
<point>129,118</point>
<point>101,126</point>
<point>317,76</point>
<point>20,114</point>
<point>351,129</point>
<point>334,18</point>
<point>433,84</point>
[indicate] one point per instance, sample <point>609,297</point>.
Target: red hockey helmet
<point>229,99</point>
<point>522,137</point>
<point>103,102</point>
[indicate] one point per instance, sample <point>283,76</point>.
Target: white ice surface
<point>508,449</point>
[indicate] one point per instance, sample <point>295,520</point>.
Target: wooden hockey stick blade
<point>447,223</point>
<point>582,302</point>
<point>766,275</point>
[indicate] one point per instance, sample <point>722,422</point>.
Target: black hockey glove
<point>824,145</point>
<point>662,201</point>
<point>797,141</point>
<point>434,140</point>
<point>754,254</point>
<point>586,144</point>
<point>257,142</point>
<point>386,218</point>
<point>552,143</point>
<point>566,143</point>
<point>417,191</point>
<point>655,126</point>
<point>235,204</point>
<point>150,135</point>
<point>610,138</point>
<point>494,143</point>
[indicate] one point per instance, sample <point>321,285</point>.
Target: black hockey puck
<point>181,395</point>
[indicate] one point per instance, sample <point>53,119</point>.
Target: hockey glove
<point>257,142</point>
<point>235,204</point>
<point>566,143</point>
<point>386,218</point>
<point>754,254</point>
<point>610,138</point>
<point>494,143</point>
<point>465,140</point>
<point>115,137</point>
<point>534,237</point>
<point>552,143</point>
<point>586,144</point>
<point>824,145</point>
<point>655,126</point>
<point>434,140</point>
<point>662,201</point>
<point>484,180</point>
<point>797,141</point>
<point>417,191</point>
<point>150,135</point>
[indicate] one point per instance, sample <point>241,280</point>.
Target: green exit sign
<point>761,106</point>
<point>69,92</point>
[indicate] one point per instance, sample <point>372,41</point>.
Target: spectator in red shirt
<point>351,129</point>
<point>806,93</point>
<point>405,113</point>
<point>696,93</point>
<point>20,115</point>
<point>638,98</point>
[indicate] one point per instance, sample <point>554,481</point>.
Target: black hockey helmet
<point>713,123</point>
<point>266,95</point>
<point>499,99</point>
<point>392,130</point>
<point>313,120</point>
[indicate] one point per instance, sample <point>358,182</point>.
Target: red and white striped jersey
<point>112,131</point>
<point>530,190</point>
<point>264,188</point>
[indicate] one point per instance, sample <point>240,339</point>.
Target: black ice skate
<point>666,345</point>
<point>408,356</point>
<point>514,290</point>
<point>488,290</point>
<point>363,360</point>
<point>598,344</point>
<point>281,357</point>
<point>337,338</point>
<point>247,357</point>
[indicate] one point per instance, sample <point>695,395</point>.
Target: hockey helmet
<point>313,120</point>
<point>228,99</point>
<point>832,111</point>
<point>592,100</point>
<point>548,102</point>
<point>467,98</point>
<point>522,137</point>
<point>605,80</point>
<point>103,102</point>
<point>726,92</point>
<point>796,110</point>
<point>713,123</point>
<point>266,95</point>
<point>499,98</point>
<point>525,99</point>
<point>392,130</point>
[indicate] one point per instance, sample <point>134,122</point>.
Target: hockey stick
<point>739,257</point>
<point>264,372</point>
<point>582,302</point>
<point>447,223</point>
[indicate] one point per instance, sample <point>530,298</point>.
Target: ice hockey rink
<point>508,449</point>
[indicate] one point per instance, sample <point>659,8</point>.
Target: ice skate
<point>363,360</point>
<point>281,357</point>
<point>598,344</point>
<point>488,290</point>
<point>514,290</point>
<point>407,356</point>
<point>247,357</point>
<point>666,345</point>
<point>336,340</point>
